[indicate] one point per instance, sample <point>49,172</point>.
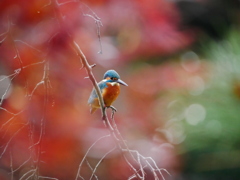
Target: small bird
<point>110,89</point>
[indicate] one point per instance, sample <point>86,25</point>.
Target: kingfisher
<point>110,89</point>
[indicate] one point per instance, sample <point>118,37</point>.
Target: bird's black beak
<point>122,82</point>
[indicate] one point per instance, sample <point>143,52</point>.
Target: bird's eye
<point>114,79</point>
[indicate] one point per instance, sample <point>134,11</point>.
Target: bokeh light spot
<point>195,113</point>
<point>190,61</point>
<point>177,132</point>
<point>109,52</point>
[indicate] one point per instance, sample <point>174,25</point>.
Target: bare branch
<point>93,174</point>
<point>9,141</point>
<point>44,177</point>
<point>25,162</point>
<point>85,156</point>
<point>101,161</point>
<point>26,174</point>
<point>17,40</point>
<point>98,23</point>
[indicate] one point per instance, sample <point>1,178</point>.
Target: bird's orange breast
<point>110,93</point>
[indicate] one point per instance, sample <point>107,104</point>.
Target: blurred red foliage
<point>45,120</point>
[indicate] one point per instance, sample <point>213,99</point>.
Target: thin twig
<point>98,23</point>
<point>25,162</point>
<point>80,165</point>
<point>25,174</point>
<point>93,173</point>
<point>9,141</point>
<point>94,170</point>
<point>44,177</point>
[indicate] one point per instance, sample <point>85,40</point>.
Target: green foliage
<point>213,142</point>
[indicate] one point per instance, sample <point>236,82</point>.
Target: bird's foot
<point>113,108</point>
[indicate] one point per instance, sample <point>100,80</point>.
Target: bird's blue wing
<point>93,94</point>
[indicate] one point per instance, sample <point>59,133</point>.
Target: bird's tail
<point>92,109</point>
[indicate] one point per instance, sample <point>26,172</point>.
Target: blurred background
<point>180,58</point>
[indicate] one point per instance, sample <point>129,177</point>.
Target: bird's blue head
<point>113,76</point>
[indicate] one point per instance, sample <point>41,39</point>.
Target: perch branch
<point>101,102</point>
